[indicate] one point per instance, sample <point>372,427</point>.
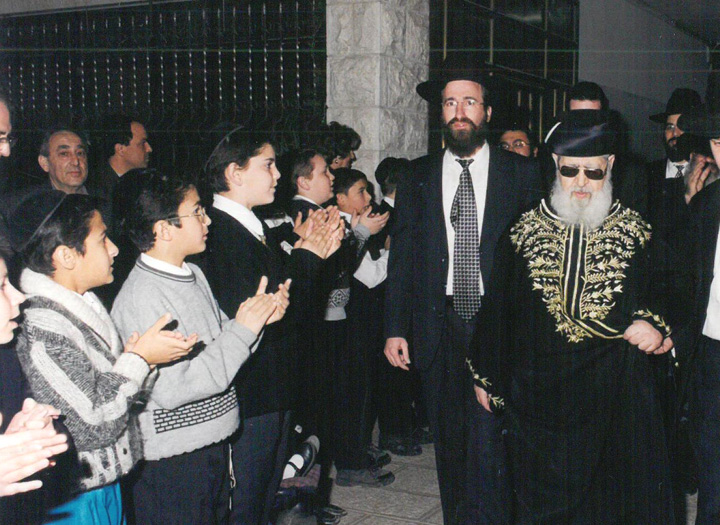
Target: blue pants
<point>707,424</point>
<point>101,506</point>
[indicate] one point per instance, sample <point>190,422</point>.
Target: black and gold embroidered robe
<point>584,430</point>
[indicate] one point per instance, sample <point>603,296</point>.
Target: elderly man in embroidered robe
<point>562,343</point>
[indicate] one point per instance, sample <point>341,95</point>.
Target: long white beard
<point>590,212</point>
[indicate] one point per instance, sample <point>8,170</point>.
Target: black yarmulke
<point>31,212</point>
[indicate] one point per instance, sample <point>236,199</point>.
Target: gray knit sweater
<point>74,360</point>
<point>192,404</point>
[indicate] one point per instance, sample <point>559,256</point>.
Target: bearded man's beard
<point>672,151</point>
<point>464,142</point>
<point>590,211</point>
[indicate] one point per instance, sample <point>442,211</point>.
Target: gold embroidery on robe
<point>578,271</point>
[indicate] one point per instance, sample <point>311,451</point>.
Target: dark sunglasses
<point>592,174</point>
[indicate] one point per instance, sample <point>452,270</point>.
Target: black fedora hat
<point>582,133</point>
<point>457,66</point>
<point>701,123</point>
<point>682,100</point>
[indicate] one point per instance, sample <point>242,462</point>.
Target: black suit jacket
<point>671,272</point>
<point>418,266</point>
<point>301,205</point>
<point>234,262</point>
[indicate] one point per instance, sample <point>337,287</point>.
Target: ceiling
<point>699,18</point>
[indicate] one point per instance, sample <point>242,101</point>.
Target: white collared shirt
<point>303,198</point>
<point>241,214</point>
<point>370,272</point>
<point>166,267</point>
<point>671,169</point>
<point>711,328</point>
<point>390,201</point>
<point>451,171</point>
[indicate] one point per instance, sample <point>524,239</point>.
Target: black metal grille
<point>184,68</point>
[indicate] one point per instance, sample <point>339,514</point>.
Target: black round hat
<point>681,101</point>
<point>700,122</point>
<point>464,66</point>
<point>582,133</point>
<point>32,211</point>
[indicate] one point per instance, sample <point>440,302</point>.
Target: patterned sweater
<point>73,359</point>
<point>192,404</point>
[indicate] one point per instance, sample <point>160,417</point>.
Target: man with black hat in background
<point>562,342</point>
<point>702,334</point>
<point>449,214</point>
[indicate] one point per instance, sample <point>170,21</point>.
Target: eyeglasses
<point>517,144</point>
<point>199,215</point>
<point>592,174</point>
<point>451,103</point>
<point>10,140</point>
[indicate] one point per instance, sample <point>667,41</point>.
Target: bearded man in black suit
<point>449,215</point>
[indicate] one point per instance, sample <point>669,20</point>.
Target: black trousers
<point>190,488</point>
<point>259,452</point>
<point>706,415</point>
<point>469,451</point>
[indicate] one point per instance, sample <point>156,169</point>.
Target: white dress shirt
<point>370,272</point>
<point>671,168</point>
<point>241,214</point>
<point>711,328</point>
<point>451,171</point>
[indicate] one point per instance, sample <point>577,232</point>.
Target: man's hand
<point>666,346</point>
<point>256,311</point>
<point>158,346</point>
<point>702,169</point>
<point>644,335</point>
<point>482,397</point>
<point>24,453</point>
<point>396,351</point>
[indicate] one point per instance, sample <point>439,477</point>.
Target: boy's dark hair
<point>389,173</point>
<point>238,146</point>
<point>45,144</point>
<point>588,91</point>
<point>345,178</point>
<point>159,197</point>
<point>338,140</point>
<point>68,225</point>
<point>116,129</point>
<point>302,165</point>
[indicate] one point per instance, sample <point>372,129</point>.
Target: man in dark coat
<point>449,215</point>
<point>562,343</point>
<point>703,332</point>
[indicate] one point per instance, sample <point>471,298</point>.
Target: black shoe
<point>326,518</point>
<point>401,446</point>
<point>303,460</point>
<point>367,477</point>
<point>423,436</point>
<point>378,457</point>
<point>334,509</point>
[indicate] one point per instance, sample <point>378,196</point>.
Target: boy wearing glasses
<point>193,407</point>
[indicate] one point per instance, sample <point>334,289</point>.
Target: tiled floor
<point>413,498</point>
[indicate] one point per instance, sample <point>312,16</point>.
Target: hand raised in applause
<point>255,312</point>
<point>27,450</point>
<point>325,239</point>
<point>372,221</point>
<point>159,346</point>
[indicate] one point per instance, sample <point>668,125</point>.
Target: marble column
<point>377,52</point>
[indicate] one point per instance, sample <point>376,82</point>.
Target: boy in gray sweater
<point>192,408</point>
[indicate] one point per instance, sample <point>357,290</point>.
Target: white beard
<point>590,212</point>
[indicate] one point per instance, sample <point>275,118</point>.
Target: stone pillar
<point>377,52</point>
